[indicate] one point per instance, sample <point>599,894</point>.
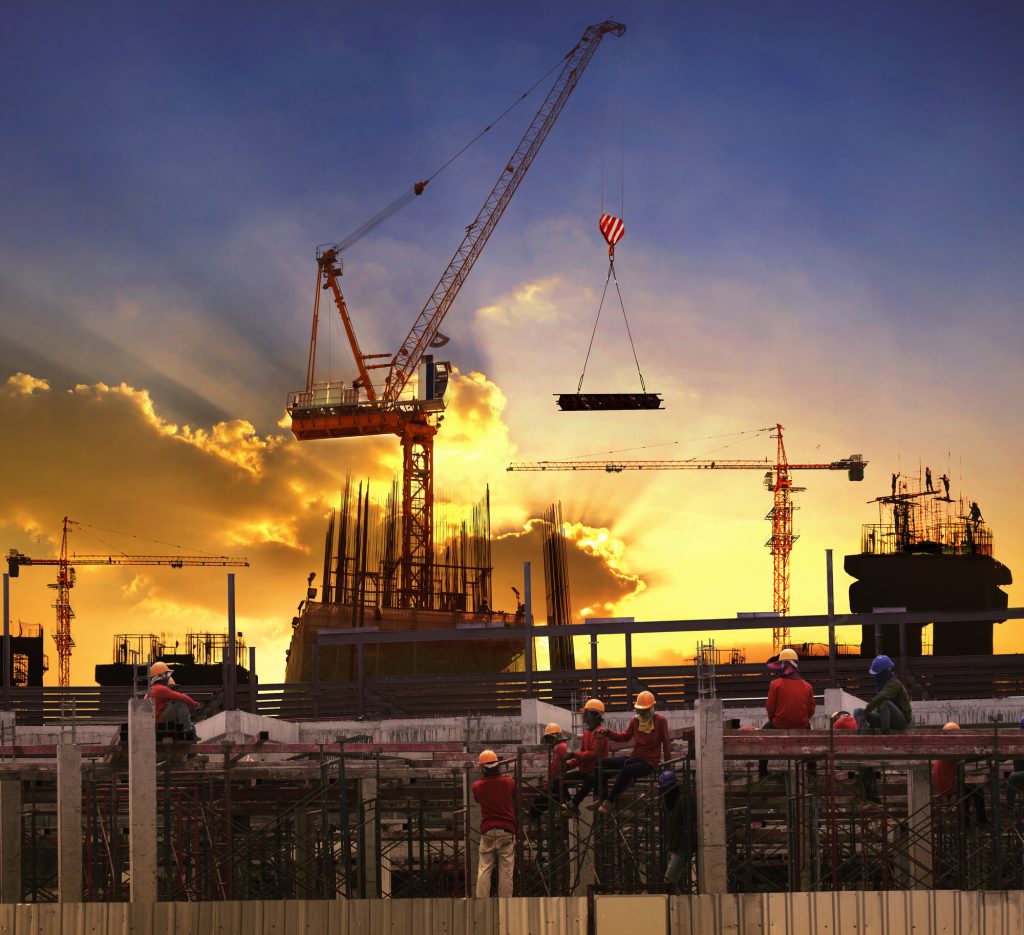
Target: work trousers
<point>677,861</point>
<point>886,717</point>
<point>496,845</point>
<point>177,712</point>
<point>586,786</point>
<point>629,770</point>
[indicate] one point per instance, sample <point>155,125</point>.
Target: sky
<point>824,217</point>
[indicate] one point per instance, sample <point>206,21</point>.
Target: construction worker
<point>1015,781</point>
<point>895,478</point>
<point>677,808</point>
<point>171,708</point>
<point>553,785</point>
<point>945,483</point>
<point>890,708</point>
<point>976,513</point>
<point>929,487</point>
<point>584,763</point>
<point>497,797</point>
<point>843,720</point>
<point>944,785</point>
<point>651,746</point>
<point>790,703</point>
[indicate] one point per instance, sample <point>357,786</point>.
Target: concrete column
<point>69,823</point>
<point>712,876</point>
<point>585,847</point>
<point>371,841</point>
<point>142,800</point>
<point>10,841</point>
<point>919,797</point>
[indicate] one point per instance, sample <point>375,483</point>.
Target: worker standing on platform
<point>584,763</point>
<point>171,708</point>
<point>944,786</point>
<point>843,720</point>
<point>651,745</point>
<point>678,807</point>
<point>790,703</point>
<point>497,797</point>
<point>890,708</point>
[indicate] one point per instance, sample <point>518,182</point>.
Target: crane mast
<point>66,581</point>
<point>369,407</point>
<point>777,480</point>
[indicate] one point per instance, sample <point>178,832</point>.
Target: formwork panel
<point>552,915</point>
<point>614,915</point>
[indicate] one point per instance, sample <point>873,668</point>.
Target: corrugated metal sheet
<point>849,913</point>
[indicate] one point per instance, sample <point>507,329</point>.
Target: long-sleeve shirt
<point>653,746</point>
<point>558,757</point>
<point>593,748</point>
<point>163,695</point>
<point>790,703</point>
<point>893,691</point>
<point>497,798</point>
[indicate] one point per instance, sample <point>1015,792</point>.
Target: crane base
<point>601,402</point>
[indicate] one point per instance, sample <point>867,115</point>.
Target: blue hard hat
<point>880,664</point>
<point>1022,722</point>
<point>666,780</point>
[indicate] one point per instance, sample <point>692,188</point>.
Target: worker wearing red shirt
<point>497,797</point>
<point>553,785</point>
<point>790,701</point>
<point>944,786</point>
<point>583,764</point>
<point>651,746</point>
<point>170,707</point>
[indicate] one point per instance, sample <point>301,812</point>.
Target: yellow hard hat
<point>552,730</point>
<point>595,704</point>
<point>788,655</point>
<point>951,725</point>
<point>487,758</point>
<point>644,700</point>
<point>158,668</point>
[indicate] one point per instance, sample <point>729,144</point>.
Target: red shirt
<point>163,695</point>
<point>558,757</point>
<point>943,776</point>
<point>593,747</point>
<point>497,798</point>
<point>790,703</point>
<point>654,746</point>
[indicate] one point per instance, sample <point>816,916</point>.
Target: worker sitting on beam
<point>171,707</point>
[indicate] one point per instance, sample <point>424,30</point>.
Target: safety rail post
<point>69,823</point>
<point>832,651</point>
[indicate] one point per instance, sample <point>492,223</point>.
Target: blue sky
<point>824,209</point>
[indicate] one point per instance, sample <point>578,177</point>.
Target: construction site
<point>347,798</point>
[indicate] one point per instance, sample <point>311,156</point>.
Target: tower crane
<point>66,564</point>
<point>381,406</point>
<point>777,480</point>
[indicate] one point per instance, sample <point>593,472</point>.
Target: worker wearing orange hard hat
<point>170,708</point>
<point>944,786</point>
<point>651,746</point>
<point>584,764</point>
<point>496,795</point>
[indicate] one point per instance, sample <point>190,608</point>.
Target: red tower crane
<point>370,406</point>
<point>777,479</point>
<point>66,581</point>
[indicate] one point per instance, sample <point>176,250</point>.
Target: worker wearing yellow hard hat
<point>651,746</point>
<point>496,795</point>
<point>790,702</point>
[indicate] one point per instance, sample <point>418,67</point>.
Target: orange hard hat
<point>951,725</point>
<point>644,700</point>
<point>487,758</point>
<point>552,730</point>
<point>595,704</point>
<point>158,668</point>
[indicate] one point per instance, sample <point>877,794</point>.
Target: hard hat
<point>666,780</point>
<point>595,704</point>
<point>159,668</point>
<point>788,655</point>
<point>1022,722</point>
<point>487,758</point>
<point>836,715</point>
<point>880,664</point>
<point>552,730</point>
<point>644,701</point>
<point>951,725</point>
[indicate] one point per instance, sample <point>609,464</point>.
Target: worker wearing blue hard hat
<point>678,842</point>
<point>889,709</point>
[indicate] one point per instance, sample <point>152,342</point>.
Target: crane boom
<point>16,559</point>
<point>853,463</point>
<point>424,330</point>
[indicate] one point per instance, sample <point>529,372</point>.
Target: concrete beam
<point>142,801</point>
<point>712,875</point>
<point>10,841</point>
<point>536,715</point>
<point>69,823</point>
